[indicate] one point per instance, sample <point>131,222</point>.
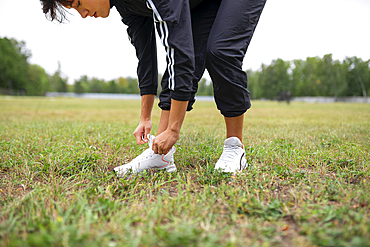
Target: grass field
<point>308,183</point>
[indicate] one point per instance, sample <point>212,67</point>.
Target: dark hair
<point>55,9</point>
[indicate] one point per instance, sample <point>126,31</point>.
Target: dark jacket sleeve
<point>141,32</point>
<point>173,22</point>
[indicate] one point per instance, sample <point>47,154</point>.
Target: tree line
<point>315,76</point>
<point>19,77</point>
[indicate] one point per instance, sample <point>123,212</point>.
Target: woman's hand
<point>142,131</point>
<point>163,142</point>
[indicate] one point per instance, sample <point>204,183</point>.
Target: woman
<point>196,34</point>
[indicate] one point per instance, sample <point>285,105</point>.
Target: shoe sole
<point>169,169</point>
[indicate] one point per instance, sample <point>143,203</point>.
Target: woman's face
<point>93,8</point>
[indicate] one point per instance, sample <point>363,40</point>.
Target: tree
<point>358,76</point>
<point>38,81</point>
<point>305,77</point>
<point>13,64</point>
<point>297,76</point>
<point>339,73</point>
<point>253,84</point>
<point>96,85</point>
<point>112,87</point>
<point>204,88</point>
<point>275,78</point>
<point>331,77</point>
<point>121,85</point>
<point>78,88</point>
<point>57,82</point>
<point>132,86</point>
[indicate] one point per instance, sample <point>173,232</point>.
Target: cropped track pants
<point>222,31</point>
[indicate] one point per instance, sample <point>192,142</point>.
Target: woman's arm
<point>145,125</point>
<point>164,141</point>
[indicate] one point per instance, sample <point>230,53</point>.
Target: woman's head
<point>56,9</point>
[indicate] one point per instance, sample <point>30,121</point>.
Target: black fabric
<point>202,18</point>
<point>222,31</point>
<point>140,5</point>
<point>228,41</point>
<point>172,19</point>
<point>212,34</point>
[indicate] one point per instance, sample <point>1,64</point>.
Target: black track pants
<point>222,31</point>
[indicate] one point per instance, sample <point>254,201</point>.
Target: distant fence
<point>325,99</point>
<point>94,95</point>
<point>204,98</point>
<point>331,99</point>
<point>9,91</point>
<point>110,96</point>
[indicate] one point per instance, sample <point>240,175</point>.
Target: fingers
<point>147,132</point>
<point>159,146</point>
<point>155,147</point>
<point>139,138</point>
<point>138,133</point>
<point>141,132</point>
<point>160,151</point>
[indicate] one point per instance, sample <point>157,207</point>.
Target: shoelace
<point>229,153</point>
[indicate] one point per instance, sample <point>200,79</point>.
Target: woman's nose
<point>83,12</point>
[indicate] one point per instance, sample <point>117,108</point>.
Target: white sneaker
<point>148,160</point>
<point>233,157</point>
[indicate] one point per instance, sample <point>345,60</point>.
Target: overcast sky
<point>288,29</point>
